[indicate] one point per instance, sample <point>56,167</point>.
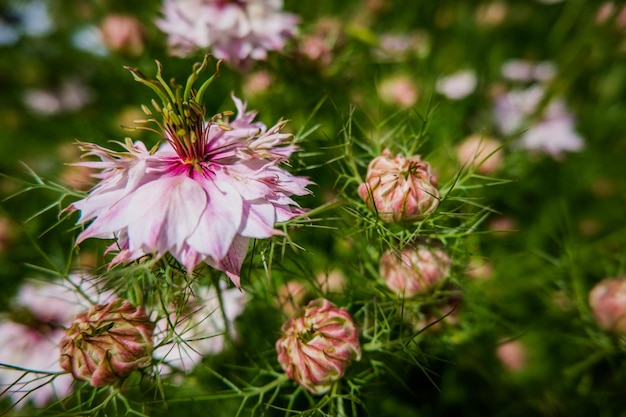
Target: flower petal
<point>220,221</point>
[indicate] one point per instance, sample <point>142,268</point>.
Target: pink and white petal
<point>259,220</point>
<point>166,213</point>
<point>232,262</point>
<point>220,221</point>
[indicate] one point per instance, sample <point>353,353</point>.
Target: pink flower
<point>400,188</point>
<point>107,343</point>
<point>30,337</point>
<point>483,153</point>
<point>512,355</point>
<point>291,296</point>
<point>415,270</point>
<point>549,129</point>
<point>123,34</point>
<point>237,31</point>
<point>199,327</point>
<point>318,345</point>
<point>201,196</point>
<point>607,300</point>
<point>399,90</point>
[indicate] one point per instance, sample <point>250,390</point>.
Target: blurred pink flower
<point>414,270</point>
<point>399,188</point>
<point>318,345</point>
<point>483,153</point>
<point>201,196</point>
<point>237,31</point>
<point>199,327</point>
<point>291,296</point>
<point>458,85</point>
<point>492,13</point>
<point>512,355</point>
<point>124,34</point>
<point>30,337</point>
<point>545,128</point>
<point>399,90</point>
<point>70,96</point>
<point>607,300</point>
<point>612,13</point>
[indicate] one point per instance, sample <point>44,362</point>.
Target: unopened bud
<point>107,343</point>
<point>414,270</point>
<point>608,304</point>
<point>400,188</point>
<point>318,345</point>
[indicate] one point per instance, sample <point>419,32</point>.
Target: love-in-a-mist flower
<point>107,343</point>
<point>202,195</point>
<point>234,30</point>
<point>414,269</point>
<point>30,334</point>
<point>317,345</point>
<point>607,300</point>
<point>400,188</point>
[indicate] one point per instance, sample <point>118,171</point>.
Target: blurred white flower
<point>398,46</point>
<point>458,85</point>
<point>526,71</point>
<point>237,31</point>
<point>199,328</point>
<point>89,39</point>
<point>29,338</point>
<point>26,18</point>
<point>70,96</point>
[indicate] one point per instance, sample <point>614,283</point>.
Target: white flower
<point>458,85</point>
<point>525,71</point>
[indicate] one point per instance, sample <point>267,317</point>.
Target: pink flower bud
<point>512,355</point>
<point>483,153</point>
<point>400,188</point>
<point>107,343</point>
<point>318,345</point>
<point>399,90</point>
<point>608,304</point>
<point>123,34</point>
<point>414,270</point>
<point>291,296</point>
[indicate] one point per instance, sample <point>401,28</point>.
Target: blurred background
<point>545,80</point>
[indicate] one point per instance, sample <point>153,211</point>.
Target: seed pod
<point>318,345</point>
<point>400,189</point>
<point>107,343</point>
